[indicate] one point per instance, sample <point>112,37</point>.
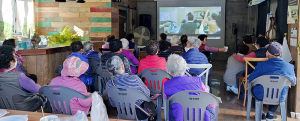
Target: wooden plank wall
<point>93,16</point>
<point>43,66</point>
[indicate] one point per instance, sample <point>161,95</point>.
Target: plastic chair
<point>154,78</point>
<point>94,63</point>
<point>195,103</point>
<point>273,85</point>
<point>59,98</point>
<point>58,69</point>
<point>104,50</point>
<point>177,52</point>
<point>7,91</point>
<point>244,80</point>
<point>103,77</point>
<point>207,67</point>
<point>125,99</point>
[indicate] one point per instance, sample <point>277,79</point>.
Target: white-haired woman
<point>176,66</point>
<point>129,55</point>
<point>174,42</point>
<point>88,50</point>
<point>116,67</point>
<point>193,56</point>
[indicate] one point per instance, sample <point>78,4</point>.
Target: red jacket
<point>153,61</point>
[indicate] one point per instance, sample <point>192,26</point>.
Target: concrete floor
<point>231,108</point>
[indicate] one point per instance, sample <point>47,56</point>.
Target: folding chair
<point>273,85</point>
<point>244,80</point>
<point>207,67</point>
<point>177,52</point>
<point>124,99</point>
<point>195,105</point>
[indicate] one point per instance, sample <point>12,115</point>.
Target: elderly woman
<point>129,55</point>
<point>88,50</point>
<point>193,56</point>
<point>176,66</point>
<point>108,40</point>
<point>20,60</point>
<point>116,67</point>
<point>174,41</point>
<point>73,67</point>
<point>10,75</point>
<point>152,61</point>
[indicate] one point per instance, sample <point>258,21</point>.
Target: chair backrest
<point>104,49</point>
<point>207,67</point>
<point>273,85</point>
<point>104,74</point>
<point>142,55</point>
<point>6,93</point>
<point>154,77</point>
<point>124,99</point>
<point>248,60</point>
<point>58,69</point>
<point>93,63</point>
<point>98,44</point>
<point>177,52</point>
<point>59,98</point>
<point>194,103</point>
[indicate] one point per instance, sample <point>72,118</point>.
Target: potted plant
<point>63,38</point>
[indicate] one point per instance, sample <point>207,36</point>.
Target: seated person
<point>204,47</point>
<point>176,66</point>
<point>213,24</point>
<point>274,66</point>
<point>193,56</point>
<point>260,43</point>
<point>77,49</point>
<point>129,55</point>
<point>152,61</point>
<point>174,42</point>
<point>88,50</point>
<point>233,67</point>
<point>10,75</point>
<point>20,60</point>
<point>132,45</point>
<point>248,41</point>
<point>73,67</point>
<point>183,41</point>
<point>189,26</point>
<point>116,67</point>
<point>108,39</point>
<point>115,46</point>
<point>163,47</point>
<point>163,40</point>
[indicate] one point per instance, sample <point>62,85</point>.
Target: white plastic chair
<point>207,67</point>
<point>273,85</point>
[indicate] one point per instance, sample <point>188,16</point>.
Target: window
<point>23,17</point>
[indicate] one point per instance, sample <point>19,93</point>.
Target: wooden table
<point>36,116</point>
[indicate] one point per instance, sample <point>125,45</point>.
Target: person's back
<point>188,28</point>
<point>193,56</point>
<point>152,62</point>
<point>129,55</point>
<point>248,41</point>
<point>174,48</point>
<point>252,48</point>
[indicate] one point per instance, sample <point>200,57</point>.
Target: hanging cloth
<point>255,2</point>
<point>268,21</point>
<point>286,54</point>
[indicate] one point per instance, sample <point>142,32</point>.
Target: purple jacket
<point>129,55</point>
<point>182,83</point>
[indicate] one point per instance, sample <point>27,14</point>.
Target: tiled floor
<point>231,109</point>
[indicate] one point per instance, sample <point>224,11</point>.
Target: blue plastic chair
<point>125,99</point>
<point>273,85</point>
<point>193,104</point>
<point>154,78</point>
<point>7,91</point>
<point>59,98</point>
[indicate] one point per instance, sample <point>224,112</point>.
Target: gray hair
<point>195,42</point>
<point>176,65</point>
<point>125,43</point>
<point>114,65</point>
<point>174,40</point>
<point>87,46</point>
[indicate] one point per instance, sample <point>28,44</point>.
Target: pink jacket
<point>76,84</point>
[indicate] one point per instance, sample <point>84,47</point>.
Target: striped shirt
<point>131,81</point>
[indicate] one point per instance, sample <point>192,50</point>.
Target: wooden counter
<point>42,62</point>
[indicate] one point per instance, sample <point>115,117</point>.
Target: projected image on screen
<point>190,20</point>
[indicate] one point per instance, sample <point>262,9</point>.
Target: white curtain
<point>25,17</point>
<point>286,54</point>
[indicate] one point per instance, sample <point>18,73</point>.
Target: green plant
<point>65,37</point>
<point>6,30</point>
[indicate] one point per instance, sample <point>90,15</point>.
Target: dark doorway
<point>122,23</point>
